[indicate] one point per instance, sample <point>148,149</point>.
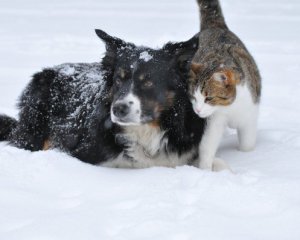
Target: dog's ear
<point>111,43</point>
<point>187,47</point>
<point>183,52</point>
<point>114,46</point>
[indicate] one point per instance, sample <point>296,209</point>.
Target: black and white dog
<point>131,110</point>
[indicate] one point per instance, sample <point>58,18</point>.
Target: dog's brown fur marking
<point>47,145</point>
<point>155,124</point>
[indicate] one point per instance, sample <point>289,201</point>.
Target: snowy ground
<point>51,196</point>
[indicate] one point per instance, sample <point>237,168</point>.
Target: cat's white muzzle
<point>203,113</point>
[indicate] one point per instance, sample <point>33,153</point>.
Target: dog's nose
<point>121,110</point>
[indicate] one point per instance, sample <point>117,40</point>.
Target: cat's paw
<point>220,165</point>
<point>206,165</point>
<point>246,147</point>
<point>247,139</point>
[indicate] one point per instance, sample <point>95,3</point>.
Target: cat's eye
<point>223,98</point>
<point>208,99</point>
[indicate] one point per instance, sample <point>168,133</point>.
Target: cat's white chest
<point>240,115</point>
<point>240,110</point>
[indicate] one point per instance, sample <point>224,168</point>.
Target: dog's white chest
<point>147,148</point>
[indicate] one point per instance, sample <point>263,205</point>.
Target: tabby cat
<point>225,84</point>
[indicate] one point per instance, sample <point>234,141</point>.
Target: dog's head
<point>144,82</point>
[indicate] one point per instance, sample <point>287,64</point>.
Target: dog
<point>131,110</point>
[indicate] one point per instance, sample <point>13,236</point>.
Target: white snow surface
<point>52,196</point>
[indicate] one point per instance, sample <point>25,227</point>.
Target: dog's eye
<point>148,84</point>
<point>118,81</point>
<point>147,76</point>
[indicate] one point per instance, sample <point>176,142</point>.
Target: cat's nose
<point>198,110</point>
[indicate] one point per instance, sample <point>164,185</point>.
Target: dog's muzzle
<point>121,110</point>
<point>126,111</point>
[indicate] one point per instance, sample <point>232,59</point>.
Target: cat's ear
<point>196,68</point>
<point>227,77</point>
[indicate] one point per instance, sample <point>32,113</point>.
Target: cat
<point>224,84</point>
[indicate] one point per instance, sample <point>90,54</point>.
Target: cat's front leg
<point>247,133</point>
<point>247,138</point>
<point>220,165</point>
<point>211,140</point>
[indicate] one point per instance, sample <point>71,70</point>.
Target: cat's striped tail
<point>211,15</point>
<point>7,124</point>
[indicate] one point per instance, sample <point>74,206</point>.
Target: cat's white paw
<point>247,147</point>
<point>247,138</point>
<point>215,165</point>
<point>220,165</point>
<point>206,165</point>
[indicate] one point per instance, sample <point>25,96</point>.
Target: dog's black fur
<point>70,104</point>
<point>7,124</point>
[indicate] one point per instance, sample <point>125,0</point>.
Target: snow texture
<point>145,56</point>
<point>83,78</point>
<point>78,90</point>
<point>52,196</point>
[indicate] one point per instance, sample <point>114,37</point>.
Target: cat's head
<point>211,87</point>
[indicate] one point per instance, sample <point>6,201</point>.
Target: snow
<point>67,70</point>
<point>52,196</point>
<point>145,56</point>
